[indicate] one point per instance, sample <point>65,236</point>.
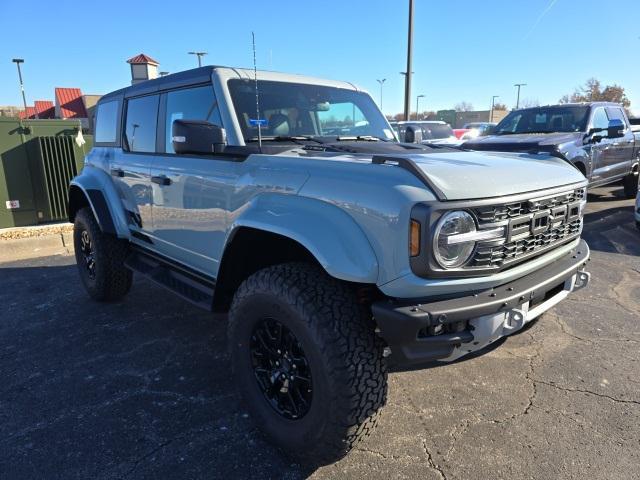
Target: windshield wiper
<point>360,138</point>
<point>297,139</point>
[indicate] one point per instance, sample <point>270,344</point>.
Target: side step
<point>191,286</point>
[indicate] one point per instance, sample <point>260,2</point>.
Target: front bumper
<point>449,328</point>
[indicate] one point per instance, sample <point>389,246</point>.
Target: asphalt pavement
<point>141,388</point>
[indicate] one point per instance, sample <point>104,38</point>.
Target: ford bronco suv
<point>285,201</point>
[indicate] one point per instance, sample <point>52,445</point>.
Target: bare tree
<point>499,106</point>
<point>463,107</point>
<point>529,102</point>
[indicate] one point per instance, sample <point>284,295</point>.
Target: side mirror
<point>413,134</point>
<point>615,128</point>
<point>198,137</point>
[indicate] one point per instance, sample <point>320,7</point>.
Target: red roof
<point>70,102</point>
<point>29,113</point>
<point>142,58</point>
<point>45,109</point>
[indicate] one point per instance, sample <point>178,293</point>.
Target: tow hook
<point>582,280</point>
<point>515,320</point>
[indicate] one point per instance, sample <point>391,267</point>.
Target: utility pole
<point>199,55</point>
<point>18,61</point>
<point>518,97</point>
<point>407,78</point>
<point>418,106</point>
<point>493,102</point>
<point>381,82</point>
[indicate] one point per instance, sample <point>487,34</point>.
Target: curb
<point>60,243</point>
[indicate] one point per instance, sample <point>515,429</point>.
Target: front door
<point>190,193</point>
<point>600,153</point>
<point>131,167</point>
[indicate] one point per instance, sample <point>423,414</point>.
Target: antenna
<point>255,78</point>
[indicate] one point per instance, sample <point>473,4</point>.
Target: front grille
<point>497,213</point>
<point>501,255</point>
<point>490,255</point>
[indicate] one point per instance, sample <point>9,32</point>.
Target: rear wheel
<point>630,183</point>
<point>100,259</point>
<point>307,360</point>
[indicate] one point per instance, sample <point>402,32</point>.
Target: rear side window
<point>107,122</point>
<point>615,112</point>
<point>141,124</point>
<point>197,103</point>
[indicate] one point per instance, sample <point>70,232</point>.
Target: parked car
<point>431,132</point>
<point>334,255</point>
<point>459,132</point>
<point>596,137</point>
<point>477,129</point>
<point>637,210</point>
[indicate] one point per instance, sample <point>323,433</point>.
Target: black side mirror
<point>615,128</point>
<point>198,137</point>
<point>413,134</point>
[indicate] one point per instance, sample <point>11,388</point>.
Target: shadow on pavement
<point>140,387</point>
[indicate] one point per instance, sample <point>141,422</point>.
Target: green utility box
<point>38,158</point>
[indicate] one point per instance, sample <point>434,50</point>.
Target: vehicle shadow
<point>139,388</point>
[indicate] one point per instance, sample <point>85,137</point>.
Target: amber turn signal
<point>414,238</point>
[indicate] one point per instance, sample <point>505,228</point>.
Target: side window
<point>617,113</point>
<point>193,104</point>
<point>140,126</point>
<point>106,122</point>
<point>600,119</point>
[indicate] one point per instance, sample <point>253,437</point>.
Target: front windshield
<point>571,118</point>
<point>293,109</point>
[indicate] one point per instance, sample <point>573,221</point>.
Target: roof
<point>70,102</point>
<point>45,109</point>
<point>30,112</point>
<point>203,74</point>
<point>141,59</point>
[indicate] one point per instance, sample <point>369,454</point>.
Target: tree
<point>463,107</point>
<point>499,106</point>
<point>529,102</point>
<point>592,91</point>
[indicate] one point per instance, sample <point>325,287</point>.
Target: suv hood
<point>474,175</point>
<point>522,142</point>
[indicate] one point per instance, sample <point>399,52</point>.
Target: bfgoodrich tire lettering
<point>101,264</point>
<point>340,345</point>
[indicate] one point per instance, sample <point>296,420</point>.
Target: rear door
<point>622,149</point>
<point>191,193</point>
<point>131,166</point>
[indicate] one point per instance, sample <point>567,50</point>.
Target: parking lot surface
<point>142,388</point>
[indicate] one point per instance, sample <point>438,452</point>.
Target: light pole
<point>418,106</point>
<point>18,61</point>
<point>408,72</point>
<point>518,97</point>
<point>199,55</point>
<point>493,102</point>
<point>163,74</point>
<point>381,82</point>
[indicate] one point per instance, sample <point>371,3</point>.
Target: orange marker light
<point>414,239</point>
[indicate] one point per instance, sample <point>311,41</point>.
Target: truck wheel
<point>100,259</point>
<point>307,361</point>
<point>630,183</point>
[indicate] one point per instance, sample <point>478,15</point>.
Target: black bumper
<point>408,326</point>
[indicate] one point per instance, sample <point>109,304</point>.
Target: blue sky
<point>464,50</point>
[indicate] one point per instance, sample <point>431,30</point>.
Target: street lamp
<point>18,61</point>
<point>199,55</point>
<point>493,102</point>
<point>518,97</point>
<point>418,105</point>
<point>381,82</point>
<point>409,70</point>
<point>163,74</point>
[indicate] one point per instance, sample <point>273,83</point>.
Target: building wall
<point>9,111</point>
<point>478,116</point>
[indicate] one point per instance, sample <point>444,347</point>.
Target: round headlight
<point>450,250</point>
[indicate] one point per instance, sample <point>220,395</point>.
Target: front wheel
<point>100,259</point>
<point>307,360</point>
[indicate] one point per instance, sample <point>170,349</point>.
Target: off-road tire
<point>630,184</point>
<point>345,356</point>
<point>111,279</point>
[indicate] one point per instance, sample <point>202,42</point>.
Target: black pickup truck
<point>597,138</point>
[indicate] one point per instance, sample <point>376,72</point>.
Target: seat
<point>279,125</point>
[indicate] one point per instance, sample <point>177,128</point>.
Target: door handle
<point>117,172</point>
<point>161,180</point>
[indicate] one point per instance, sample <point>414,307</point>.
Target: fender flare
<point>329,233</point>
<point>102,196</point>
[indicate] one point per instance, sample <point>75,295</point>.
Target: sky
<point>464,50</point>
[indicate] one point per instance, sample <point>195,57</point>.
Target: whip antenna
<point>255,78</point>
